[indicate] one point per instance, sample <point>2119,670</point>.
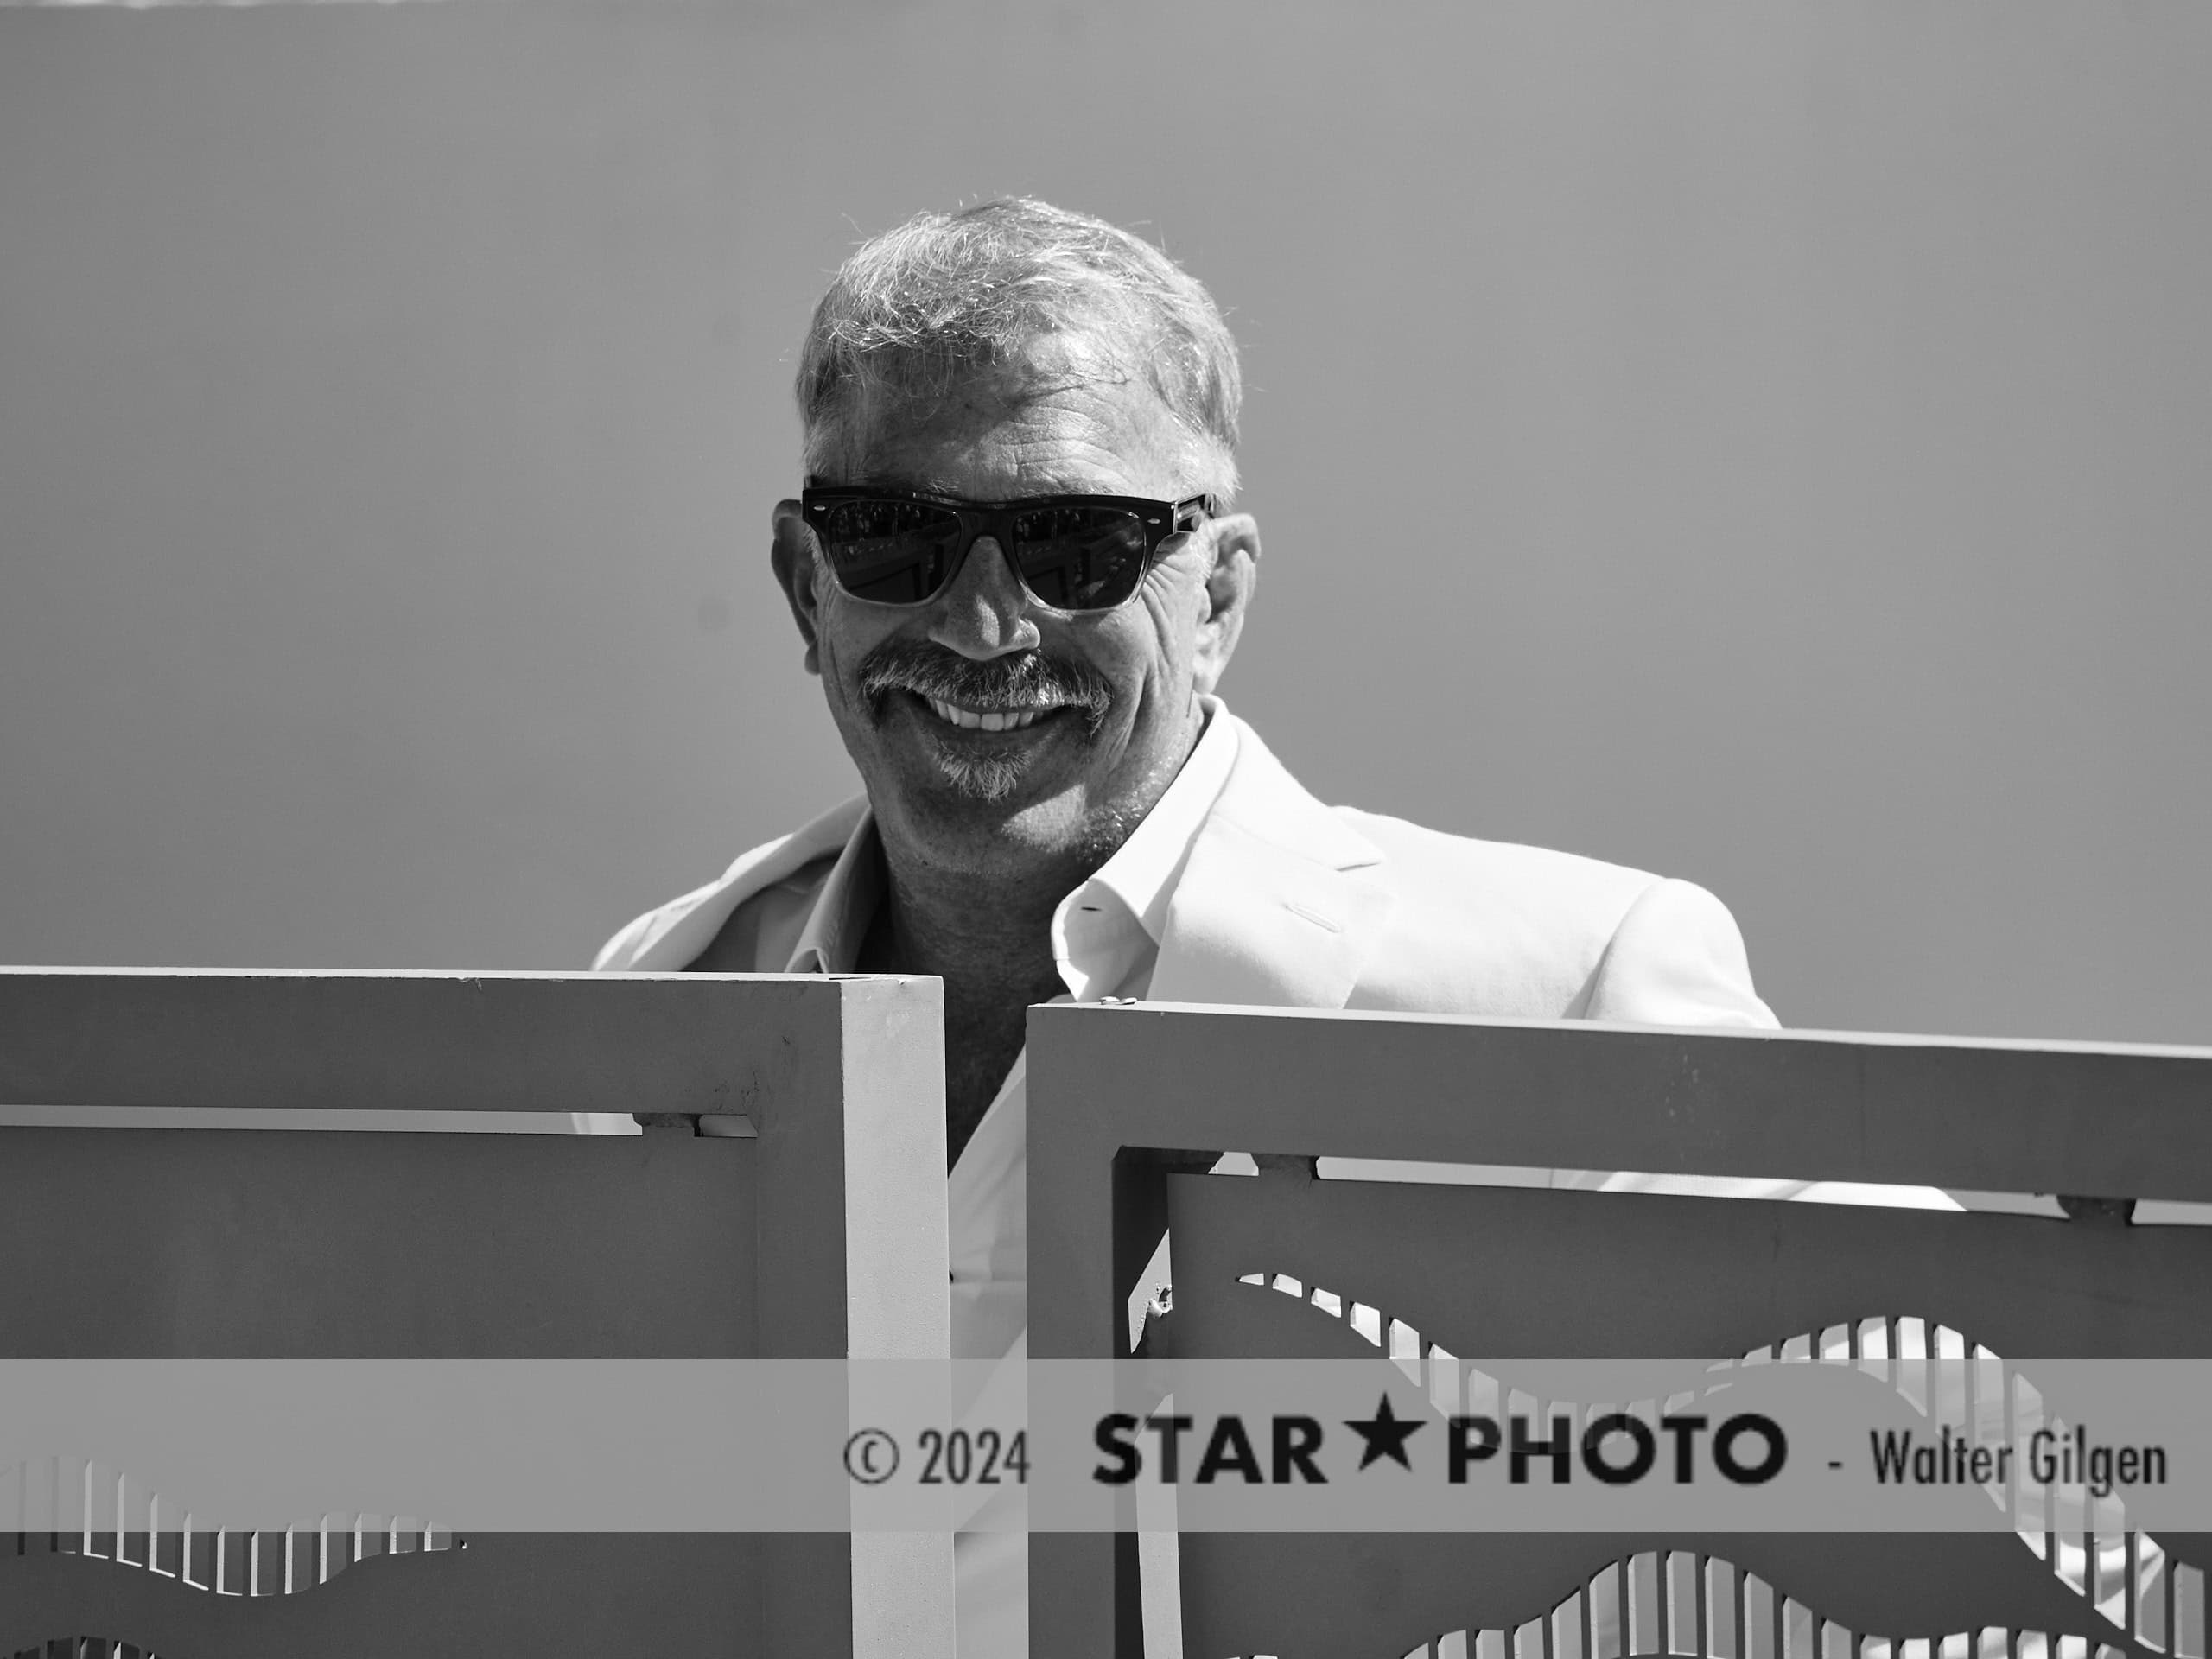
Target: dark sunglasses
<point>1071,552</point>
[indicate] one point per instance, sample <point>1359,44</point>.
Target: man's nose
<point>984,612</point>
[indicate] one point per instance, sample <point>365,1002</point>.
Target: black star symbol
<point>1385,1433</point>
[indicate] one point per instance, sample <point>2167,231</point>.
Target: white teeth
<point>970,719</point>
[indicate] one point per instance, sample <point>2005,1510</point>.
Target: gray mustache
<point>1005,684</point>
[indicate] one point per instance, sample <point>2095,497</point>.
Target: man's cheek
<point>846,703</point>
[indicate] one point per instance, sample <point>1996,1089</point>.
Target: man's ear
<point>1230,582</point>
<point>792,559</point>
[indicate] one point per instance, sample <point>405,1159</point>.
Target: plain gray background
<point>1764,444</point>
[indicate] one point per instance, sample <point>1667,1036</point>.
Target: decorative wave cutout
<point>1656,1600</point>
<point>2126,1576</point>
<point>73,1506</point>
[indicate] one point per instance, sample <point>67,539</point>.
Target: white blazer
<point>1287,903</point>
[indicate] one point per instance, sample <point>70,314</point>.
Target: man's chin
<point>985,780</point>
<point>981,795</point>
<point>978,810</point>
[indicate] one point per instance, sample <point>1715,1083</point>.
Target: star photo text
<point>1617,1449</point>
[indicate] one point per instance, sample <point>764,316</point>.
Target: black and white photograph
<point>958,829</point>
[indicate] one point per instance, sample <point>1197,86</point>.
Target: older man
<point>1017,570</point>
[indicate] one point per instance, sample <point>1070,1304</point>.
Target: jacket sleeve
<point>1677,959</point>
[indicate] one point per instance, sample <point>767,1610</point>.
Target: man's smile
<point>953,717</point>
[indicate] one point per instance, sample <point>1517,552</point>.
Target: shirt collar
<point>837,927</point>
<point>1137,884</point>
<point>1145,868</point>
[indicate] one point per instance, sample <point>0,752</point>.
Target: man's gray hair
<point>920,308</point>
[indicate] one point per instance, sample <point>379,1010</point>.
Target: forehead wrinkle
<point>1049,425</point>
<point>1070,452</point>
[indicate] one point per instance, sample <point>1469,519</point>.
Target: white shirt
<point>1105,941</point>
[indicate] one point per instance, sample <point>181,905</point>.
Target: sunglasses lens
<point>1080,558</point>
<point>893,552</point>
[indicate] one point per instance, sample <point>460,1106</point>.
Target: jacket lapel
<point>667,940</point>
<point>1282,903</point>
